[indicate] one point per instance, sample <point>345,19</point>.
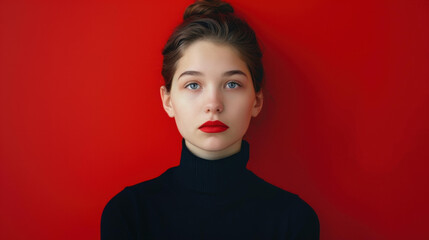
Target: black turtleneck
<point>208,199</point>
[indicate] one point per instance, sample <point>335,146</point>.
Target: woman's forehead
<point>211,58</point>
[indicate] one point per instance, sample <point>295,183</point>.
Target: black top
<point>208,199</point>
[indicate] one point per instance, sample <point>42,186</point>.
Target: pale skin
<point>211,83</point>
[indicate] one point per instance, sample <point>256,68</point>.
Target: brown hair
<point>213,20</point>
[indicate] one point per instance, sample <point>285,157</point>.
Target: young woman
<point>213,75</point>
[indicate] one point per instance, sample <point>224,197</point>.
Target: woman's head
<point>213,21</point>
<point>211,81</point>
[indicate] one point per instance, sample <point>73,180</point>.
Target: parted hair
<point>213,20</point>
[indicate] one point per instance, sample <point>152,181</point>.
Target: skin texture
<point>212,83</point>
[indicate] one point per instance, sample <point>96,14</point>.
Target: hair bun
<point>207,7</point>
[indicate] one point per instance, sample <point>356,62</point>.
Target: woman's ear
<point>166,101</point>
<point>257,105</point>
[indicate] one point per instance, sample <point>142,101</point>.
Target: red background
<point>344,124</point>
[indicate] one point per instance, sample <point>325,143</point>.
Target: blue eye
<point>192,86</point>
<point>233,85</point>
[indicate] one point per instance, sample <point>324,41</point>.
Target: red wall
<point>344,124</point>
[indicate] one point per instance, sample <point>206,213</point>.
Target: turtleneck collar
<point>212,176</point>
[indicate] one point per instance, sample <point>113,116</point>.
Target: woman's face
<point>212,83</point>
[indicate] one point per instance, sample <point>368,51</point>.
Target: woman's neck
<point>214,155</point>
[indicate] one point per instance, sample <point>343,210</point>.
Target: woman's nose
<point>214,102</point>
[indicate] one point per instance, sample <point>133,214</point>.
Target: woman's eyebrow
<point>225,74</point>
<point>234,72</point>
<point>190,73</point>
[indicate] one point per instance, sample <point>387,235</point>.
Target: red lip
<point>213,127</point>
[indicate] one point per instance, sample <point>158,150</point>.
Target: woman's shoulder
<point>121,213</point>
<point>270,190</point>
<point>288,203</point>
<point>131,195</point>
<point>153,185</point>
<point>297,215</point>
